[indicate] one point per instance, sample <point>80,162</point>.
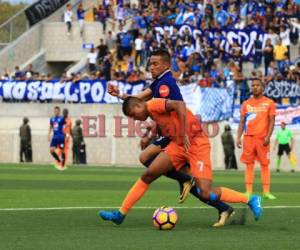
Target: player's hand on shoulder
<point>113,90</point>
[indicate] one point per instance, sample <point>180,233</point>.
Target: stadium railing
<point>14,27</point>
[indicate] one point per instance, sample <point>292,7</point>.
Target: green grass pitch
<point>71,200</point>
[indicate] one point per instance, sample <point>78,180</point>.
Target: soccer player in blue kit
<point>57,123</point>
<point>165,86</point>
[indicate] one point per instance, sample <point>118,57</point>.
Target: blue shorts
<point>161,141</point>
<point>58,142</point>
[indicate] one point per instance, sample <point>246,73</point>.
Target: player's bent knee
<point>143,158</point>
<point>148,177</point>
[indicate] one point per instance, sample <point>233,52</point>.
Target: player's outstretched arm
<point>180,109</point>
<point>240,131</point>
<point>114,91</point>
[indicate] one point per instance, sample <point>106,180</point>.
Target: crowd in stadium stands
<point>199,59</point>
<point>123,55</point>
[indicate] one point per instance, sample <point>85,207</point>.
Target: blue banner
<point>282,89</point>
<point>87,91</point>
<point>212,104</point>
<point>244,37</point>
<point>289,114</point>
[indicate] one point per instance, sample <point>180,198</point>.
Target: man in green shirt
<point>284,139</point>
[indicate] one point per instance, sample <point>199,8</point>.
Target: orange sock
<point>265,178</point>
<point>134,194</point>
<point>229,195</point>
<point>249,177</point>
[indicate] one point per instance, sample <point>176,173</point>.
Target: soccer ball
<point>164,218</point>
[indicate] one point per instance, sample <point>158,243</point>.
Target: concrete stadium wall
<point>28,44</point>
<point>107,150</point>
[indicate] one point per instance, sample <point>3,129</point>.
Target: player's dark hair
<point>258,79</point>
<point>164,54</point>
<point>128,103</point>
<point>56,107</point>
<point>65,112</point>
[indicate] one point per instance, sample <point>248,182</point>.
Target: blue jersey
<point>165,86</point>
<point>57,124</point>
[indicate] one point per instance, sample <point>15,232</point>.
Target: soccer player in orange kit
<point>67,132</point>
<point>188,144</point>
<point>257,123</point>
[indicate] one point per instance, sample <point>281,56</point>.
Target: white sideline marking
<point>141,207</point>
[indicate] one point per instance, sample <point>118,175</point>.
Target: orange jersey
<point>257,113</point>
<point>68,126</point>
<point>198,155</point>
<point>169,122</point>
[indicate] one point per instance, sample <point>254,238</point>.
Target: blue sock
<point>219,205</point>
<point>181,177</point>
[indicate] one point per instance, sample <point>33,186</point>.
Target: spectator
<point>25,141</point>
<point>68,15</point>
<point>257,52</point>
<point>143,23</point>
<point>272,36</point>
<point>80,17</point>
<point>18,73</point>
<point>268,54</point>
<point>285,37</point>
<point>206,81</point>
<point>133,77</point>
<point>78,147</point>
<point>92,60</point>
<point>271,72</point>
<point>29,72</point>
<point>295,30</point>
<point>111,41</point>
<point>236,53</point>
<point>229,148</point>
<point>139,44</point>
<point>102,16</point>
<point>102,50</point>
<point>221,16</point>
<point>120,36</point>
<point>126,44</point>
<point>280,52</point>
<point>120,14</point>
<point>107,65</point>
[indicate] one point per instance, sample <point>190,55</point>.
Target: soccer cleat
<point>186,187</point>
<point>269,196</point>
<point>115,216</point>
<point>57,165</point>
<point>255,205</point>
<point>223,217</point>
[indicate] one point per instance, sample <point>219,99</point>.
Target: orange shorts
<point>198,156</point>
<point>253,149</point>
